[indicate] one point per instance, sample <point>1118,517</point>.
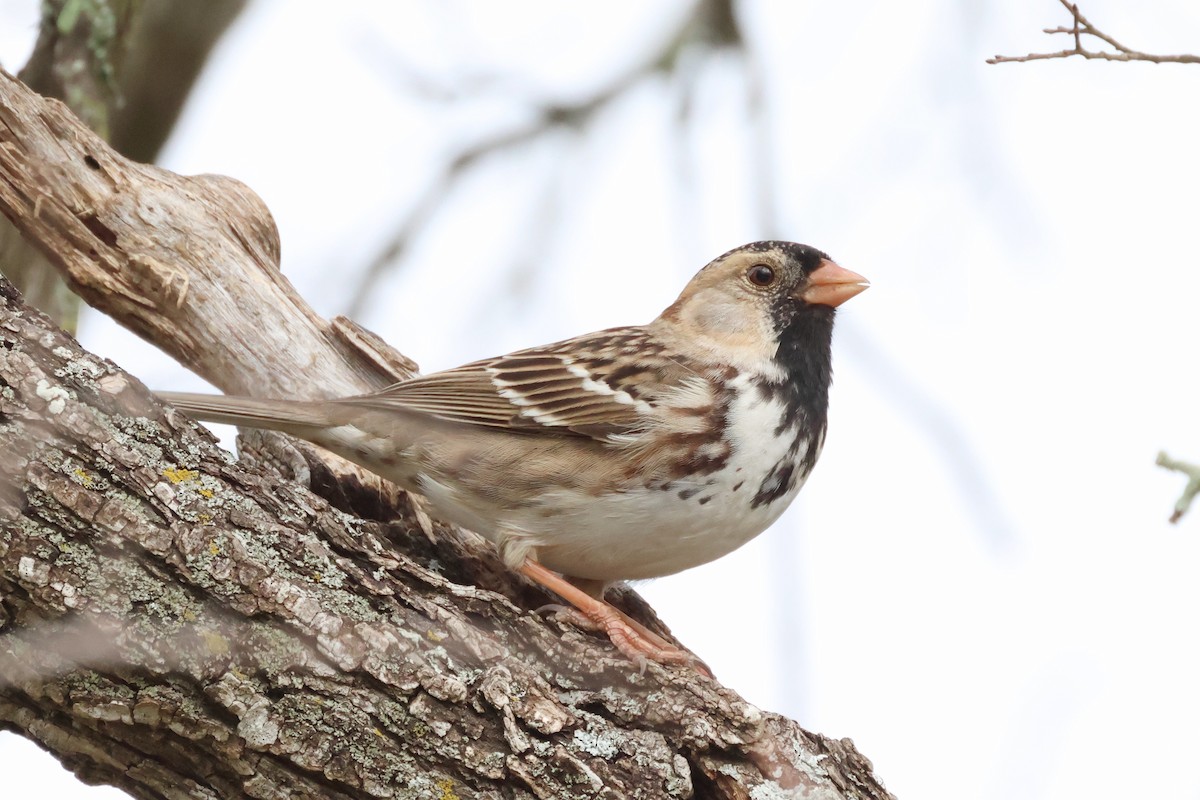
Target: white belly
<point>649,532</point>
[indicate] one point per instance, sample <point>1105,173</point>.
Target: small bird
<point>628,453</point>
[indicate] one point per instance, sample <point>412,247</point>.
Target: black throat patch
<point>805,358</point>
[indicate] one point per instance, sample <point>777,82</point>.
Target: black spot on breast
<point>704,500</point>
<point>779,481</point>
<point>687,494</point>
<point>738,485</point>
<point>699,459</point>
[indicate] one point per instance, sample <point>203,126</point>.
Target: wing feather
<point>597,385</point>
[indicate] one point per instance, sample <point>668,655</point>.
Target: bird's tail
<point>373,441</point>
<point>297,417</point>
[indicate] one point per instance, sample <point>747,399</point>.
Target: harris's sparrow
<point>629,453</point>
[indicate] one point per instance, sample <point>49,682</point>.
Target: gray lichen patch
<point>55,396</point>
<point>76,366</point>
<point>135,442</point>
<point>596,741</point>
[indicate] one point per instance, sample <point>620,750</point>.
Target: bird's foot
<point>635,641</point>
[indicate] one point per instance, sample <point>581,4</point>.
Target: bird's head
<point>760,298</point>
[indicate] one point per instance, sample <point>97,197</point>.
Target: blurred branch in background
<point>1079,28</point>
<point>1192,471</point>
<point>940,427</point>
<point>709,26</point>
<point>125,67</point>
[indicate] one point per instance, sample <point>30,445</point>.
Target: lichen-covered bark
<point>180,624</point>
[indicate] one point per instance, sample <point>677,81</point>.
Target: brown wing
<point>595,385</point>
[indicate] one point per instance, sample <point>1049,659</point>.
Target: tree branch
<point>173,623</point>
<point>1190,490</point>
<point>1079,28</point>
<point>125,67</point>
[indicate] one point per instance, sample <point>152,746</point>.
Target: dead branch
<point>174,623</point>
<point>125,67</point>
<point>1081,27</point>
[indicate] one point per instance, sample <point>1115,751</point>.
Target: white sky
<point>978,584</point>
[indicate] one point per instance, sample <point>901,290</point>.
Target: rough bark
<point>179,624</point>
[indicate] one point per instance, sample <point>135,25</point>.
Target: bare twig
<point>1079,28</point>
<point>1192,471</point>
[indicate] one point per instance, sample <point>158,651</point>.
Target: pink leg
<point>633,639</point>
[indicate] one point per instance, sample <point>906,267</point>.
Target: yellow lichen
<point>217,644</point>
<point>83,477</point>
<point>180,475</point>
<point>447,787</point>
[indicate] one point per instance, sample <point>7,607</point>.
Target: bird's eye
<point>760,275</point>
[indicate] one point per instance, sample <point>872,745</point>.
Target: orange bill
<point>831,285</point>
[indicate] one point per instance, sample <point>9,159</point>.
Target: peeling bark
<point>125,67</point>
<point>180,624</point>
